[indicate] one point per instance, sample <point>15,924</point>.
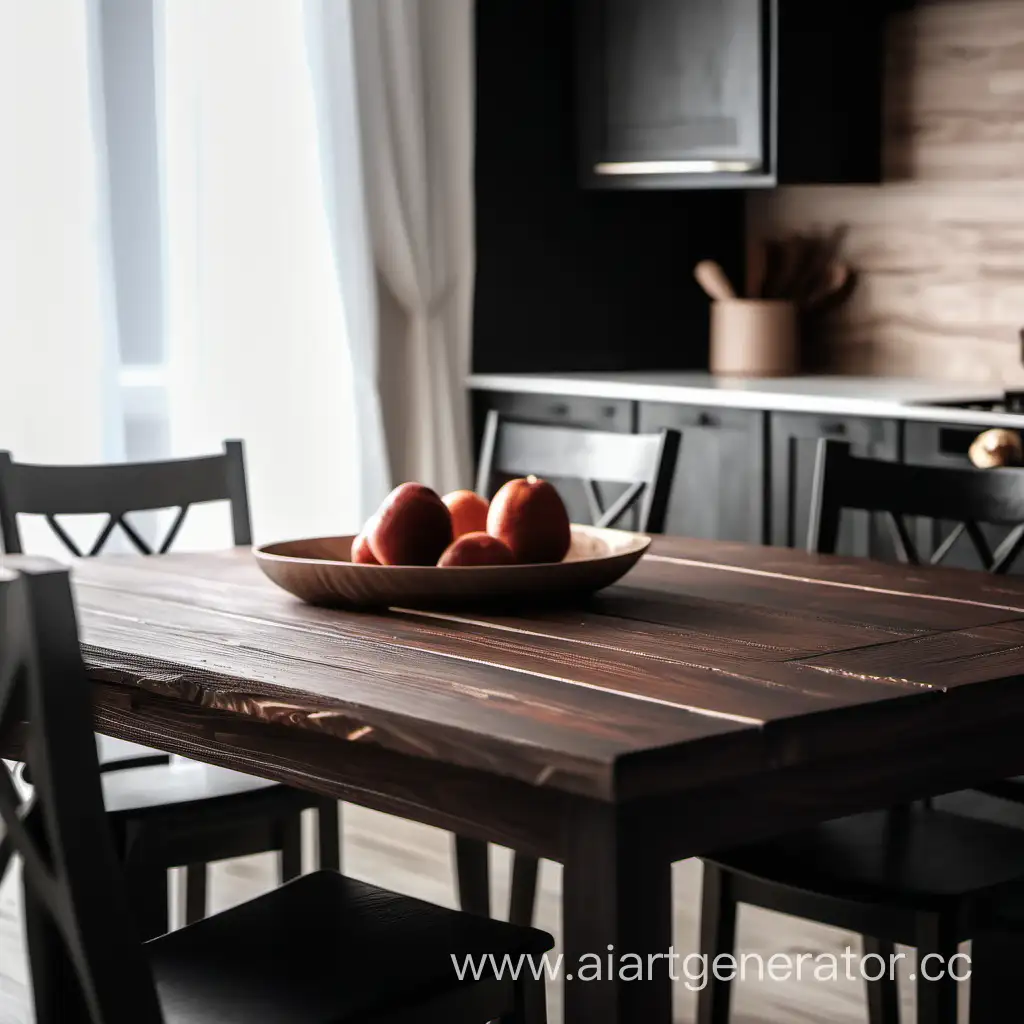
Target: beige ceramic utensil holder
<point>754,338</point>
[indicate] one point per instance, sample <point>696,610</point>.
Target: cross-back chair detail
<point>966,497</point>
<point>116,491</point>
<point>70,871</point>
<point>643,463</point>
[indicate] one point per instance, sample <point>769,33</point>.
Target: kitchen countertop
<point>890,397</point>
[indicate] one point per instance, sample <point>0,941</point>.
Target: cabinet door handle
<point>835,429</point>
<point>560,409</point>
<point>609,412</point>
<point>705,419</point>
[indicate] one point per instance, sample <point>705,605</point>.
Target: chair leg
<point>195,893</point>
<point>531,1002</point>
<point>56,993</point>
<point>936,946</point>
<point>290,845</point>
<point>717,937</point>
<point>147,895</point>
<point>328,821</point>
<point>883,994</point>
<point>472,876</point>
<point>523,898</point>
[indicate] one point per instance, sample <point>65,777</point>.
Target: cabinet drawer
<point>656,415</point>
<point>570,410</point>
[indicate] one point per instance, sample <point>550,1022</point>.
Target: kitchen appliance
<point>1011,401</point>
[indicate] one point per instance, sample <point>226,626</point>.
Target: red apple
<point>413,527</point>
<point>530,517</point>
<point>361,552</point>
<point>477,549</point>
<point>469,512</point>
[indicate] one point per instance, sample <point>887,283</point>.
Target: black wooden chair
<point>168,814</point>
<point>919,874</point>
<point>321,948</point>
<point>644,465</point>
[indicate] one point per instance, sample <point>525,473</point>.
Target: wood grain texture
<point>710,661</point>
<point>719,694</point>
<point>939,247</point>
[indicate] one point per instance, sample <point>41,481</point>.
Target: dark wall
<point>569,278</point>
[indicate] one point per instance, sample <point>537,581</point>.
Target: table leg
<point>473,876</point>
<point>617,923</point>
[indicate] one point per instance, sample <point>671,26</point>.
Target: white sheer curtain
<point>288,277</point>
<point>330,45</point>
<point>258,335</point>
<point>58,331</point>
<point>416,89</point>
<point>58,335</point>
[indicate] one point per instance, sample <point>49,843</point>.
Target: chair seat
<point>177,783</point>
<point>912,857</point>
<point>321,950</point>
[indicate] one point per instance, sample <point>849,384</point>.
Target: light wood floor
<point>415,859</point>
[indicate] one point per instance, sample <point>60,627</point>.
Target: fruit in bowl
<point>469,512</point>
<point>412,527</point>
<point>477,548</point>
<point>525,523</point>
<point>362,553</point>
<point>529,516</point>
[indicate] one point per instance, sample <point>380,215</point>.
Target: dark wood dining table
<point>717,694</point>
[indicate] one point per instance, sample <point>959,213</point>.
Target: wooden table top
<point>709,661</point>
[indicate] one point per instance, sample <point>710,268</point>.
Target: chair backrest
<point>644,463</point>
<point>86,959</point>
<point>966,497</point>
<point>116,490</point>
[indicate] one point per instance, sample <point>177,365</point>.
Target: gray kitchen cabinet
<point>568,411</point>
<point>719,491</point>
<point>794,443</point>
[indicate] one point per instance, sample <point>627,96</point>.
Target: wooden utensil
<point>831,283</point>
<point>800,264</point>
<point>783,265</point>
<point>813,268</point>
<point>757,260</point>
<point>712,278</point>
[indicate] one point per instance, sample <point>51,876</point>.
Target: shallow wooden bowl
<point>319,571</point>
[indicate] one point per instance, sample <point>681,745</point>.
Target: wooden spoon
<point>833,281</point>
<point>811,263</point>
<point>784,265</point>
<point>711,277</point>
<point>757,268</point>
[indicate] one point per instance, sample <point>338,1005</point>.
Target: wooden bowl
<point>318,570</point>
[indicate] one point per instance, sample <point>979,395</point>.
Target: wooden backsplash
<point>940,246</point>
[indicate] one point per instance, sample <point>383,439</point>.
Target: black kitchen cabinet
<point>794,444</point>
<point>569,411</point>
<point>718,492</point>
<point>947,444</point>
<point>729,93</point>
